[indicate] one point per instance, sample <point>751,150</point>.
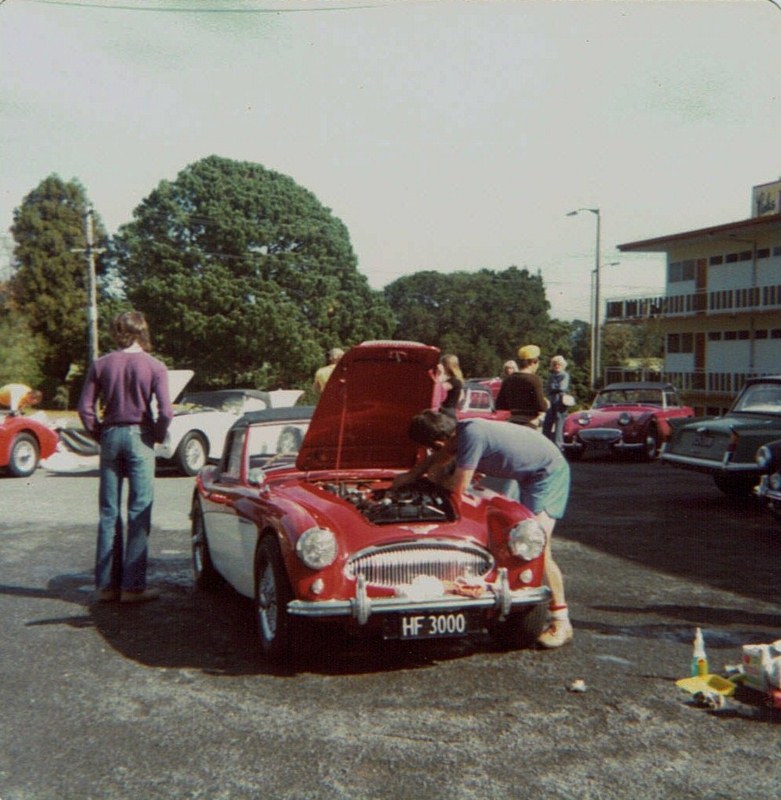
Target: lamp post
<point>595,332</point>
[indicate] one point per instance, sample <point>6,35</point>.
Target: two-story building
<point>720,315</point>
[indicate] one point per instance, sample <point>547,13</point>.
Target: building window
<point>777,251</point>
<point>731,258</point>
<point>761,334</point>
<point>730,336</point>
<point>714,336</point>
<point>743,335</point>
<point>746,255</point>
<point>775,333</point>
<point>763,252</point>
<point>716,260</point>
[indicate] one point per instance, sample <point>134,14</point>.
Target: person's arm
<point>432,462</point>
<point>165,411</point>
<point>460,480</point>
<point>86,405</point>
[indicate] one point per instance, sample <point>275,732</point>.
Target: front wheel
<point>276,629</point>
<point>191,454</point>
<point>23,459</point>
<point>521,628</point>
<point>651,444</point>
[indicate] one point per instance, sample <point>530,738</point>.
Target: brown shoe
<point>558,633</point>
<point>143,596</point>
<point>108,595</point>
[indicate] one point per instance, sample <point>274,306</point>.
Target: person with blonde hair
<point>451,379</point>
<point>521,392</point>
<point>556,387</point>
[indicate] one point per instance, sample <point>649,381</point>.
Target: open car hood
<point>177,380</point>
<point>363,415</point>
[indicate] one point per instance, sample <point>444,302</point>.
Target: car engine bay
<point>381,504</point>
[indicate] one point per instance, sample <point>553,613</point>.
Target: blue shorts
<point>547,492</point>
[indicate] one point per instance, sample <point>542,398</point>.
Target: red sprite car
<point>629,417</point>
<point>24,441</point>
<point>312,530</point>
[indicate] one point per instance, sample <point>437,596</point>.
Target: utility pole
<point>92,293</point>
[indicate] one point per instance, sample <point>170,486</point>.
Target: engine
<point>380,504</point>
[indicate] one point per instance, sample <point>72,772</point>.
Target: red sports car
<point>24,441</point>
<point>627,417</point>
<point>312,530</point>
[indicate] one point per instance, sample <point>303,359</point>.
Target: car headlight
<point>317,548</point>
<point>527,539</point>
<point>584,420</point>
<point>624,418</point>
<point>774,481</point>
<point>764,457</point>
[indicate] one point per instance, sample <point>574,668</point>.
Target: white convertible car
<point>198,429</point>
<point>197,432</point>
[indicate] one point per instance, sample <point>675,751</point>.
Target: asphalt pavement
<point>172,700</point>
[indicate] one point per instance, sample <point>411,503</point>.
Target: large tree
<point>245,276</point>
<point>50,278</point>
<point>482,316</point>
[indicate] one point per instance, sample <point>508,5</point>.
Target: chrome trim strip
<point>364,607</point>
<point>709,464</point>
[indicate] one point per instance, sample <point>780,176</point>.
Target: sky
<point>447,135</point>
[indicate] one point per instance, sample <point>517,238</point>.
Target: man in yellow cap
<point>521,392</point>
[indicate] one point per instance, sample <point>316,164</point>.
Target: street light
<point>595,338</point>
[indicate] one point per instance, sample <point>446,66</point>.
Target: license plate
<point>701,440</point>
<point>432,626</point>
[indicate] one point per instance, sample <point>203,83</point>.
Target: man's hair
<point>430,426</point>
<point>129,327</point>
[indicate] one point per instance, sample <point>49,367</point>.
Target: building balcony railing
<point>723,301</point>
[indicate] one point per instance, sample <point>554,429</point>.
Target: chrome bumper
<point>710,465</point>
<point>601,437</point>
<point>361,607</point>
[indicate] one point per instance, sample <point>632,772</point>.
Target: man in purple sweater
<point>127,382</point>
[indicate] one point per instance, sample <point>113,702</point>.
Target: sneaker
<point>143,596</point>
<point>558,633</point>
<point>108,595</point>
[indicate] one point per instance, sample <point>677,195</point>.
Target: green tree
<point>20,351</point>
<point>481,316</point>
<point>49,282</point>
<point>244,276</point>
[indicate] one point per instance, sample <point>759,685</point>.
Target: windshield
<point>616,397</point>
<point>764,398</point>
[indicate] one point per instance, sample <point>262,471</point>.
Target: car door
<point>224,528</point>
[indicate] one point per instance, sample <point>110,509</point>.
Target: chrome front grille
<point>397,565</point>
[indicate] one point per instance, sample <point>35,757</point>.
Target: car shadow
<point>675,522</point>
<point>214,632</point>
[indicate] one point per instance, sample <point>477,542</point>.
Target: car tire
<point>276,629</point>
<point>650,451</point>
<point>192,454</point>
<point>24,455</point>
<point>205,576</point>
<point>735,485</point>
<point>521,628</point>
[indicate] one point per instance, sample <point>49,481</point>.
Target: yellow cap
<point>528,352</point>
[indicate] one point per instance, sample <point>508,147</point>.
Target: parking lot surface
<point>172,700</point>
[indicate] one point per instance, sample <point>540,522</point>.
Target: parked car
<point>768,460</point>
<point>725,446</point>
<point>202,420</point>
<point>631,417</point>
<point>320,536</point>
<point>240,401</point>
<point>24,442</point>
<point>478,400</point>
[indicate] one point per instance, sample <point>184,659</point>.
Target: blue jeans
<point>553,425</point>
<point>126,451</point>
